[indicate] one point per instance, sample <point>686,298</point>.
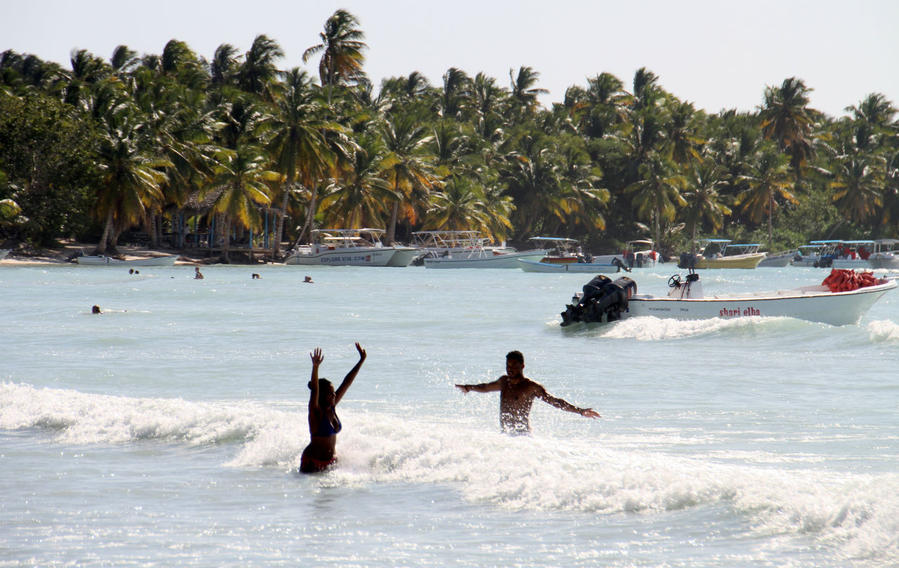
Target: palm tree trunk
<point>391,231</point>
<point>154,232</point>
<point>770,222</point>
<point>107,230</point>
<point>226,240</point>
<point>310,214</point>
<point>282,217</point>
<point>656,227</point>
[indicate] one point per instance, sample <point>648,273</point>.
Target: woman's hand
<point>361,351</point>
<point>317,357</point>
<point>589,413</point>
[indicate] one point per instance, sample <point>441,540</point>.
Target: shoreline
<point>69,249</point>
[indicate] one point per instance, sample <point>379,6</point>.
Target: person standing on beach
<point>517,394</point>
<point>323,422</point>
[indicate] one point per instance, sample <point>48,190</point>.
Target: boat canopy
<point>553,239</point>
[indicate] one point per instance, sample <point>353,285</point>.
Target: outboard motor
<point>687,260</point>
<point>602,300</point>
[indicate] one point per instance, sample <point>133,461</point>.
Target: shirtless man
<point>517,394</point>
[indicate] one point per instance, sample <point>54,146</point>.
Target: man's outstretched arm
<point>482,387</point>
<point>567,406</point>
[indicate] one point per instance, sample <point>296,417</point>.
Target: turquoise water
<point>166,431</point>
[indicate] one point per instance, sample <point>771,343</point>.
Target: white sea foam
<point>884,331</point>
<point>654,329</point>
<point>857,514</point>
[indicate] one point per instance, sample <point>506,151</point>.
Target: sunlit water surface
<point>167,430</point>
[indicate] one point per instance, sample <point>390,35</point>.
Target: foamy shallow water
<point>166,430</point>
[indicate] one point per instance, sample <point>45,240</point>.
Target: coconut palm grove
<point>172,147</point>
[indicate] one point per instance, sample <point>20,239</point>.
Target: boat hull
<point>403,256</point>
<point>100,260</point>
<point>777,260</point>
<point>735,261</point>
<point>345,257</point>
<point>580,267</point>
<point>507,260</point>
<point>850,263</point>
<point>811,303</point>
<point>884,260</point>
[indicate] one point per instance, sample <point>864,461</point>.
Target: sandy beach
<point>67,250</point>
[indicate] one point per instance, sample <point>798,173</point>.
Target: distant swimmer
<point>308,280</point>
<point>96,309</point>
<point>323,422</point>
<point>255,276</point>
<point>197,274</point>
<point>517,394</point>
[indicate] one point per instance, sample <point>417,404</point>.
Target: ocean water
<point>167,431</point>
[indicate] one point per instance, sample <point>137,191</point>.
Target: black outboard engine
<point>687,260</point>
<point>602,300</point>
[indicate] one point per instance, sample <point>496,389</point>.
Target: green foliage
<point>47,152</point>
<point>150,140</point>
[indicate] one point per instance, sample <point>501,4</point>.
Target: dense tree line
<point>173,144</point>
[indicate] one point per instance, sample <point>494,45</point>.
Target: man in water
<point>517,394</point>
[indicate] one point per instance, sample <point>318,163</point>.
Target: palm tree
<point>240,182</point>
<point>405,89</point>
<point>181,63</point>
<point>240,163</point>
<point>657,193</point>
<point>459,206</point>
<point>341,48</point>
<point>786,119</point>
<point>858,188</point>
<point>524,91</point>
<point>131,176</point>
<point>361,197</point>
<point>87,70</point>
<point>704,203</point>
<point>766,182</point>
<point>456,93</point>
<point>258,73</point>
<point>405,166</point>
<point>552,184</point>
<point>601,106</point>
<point>123,60</point>
<point>487,99</point>
<point>681,139</point>
<point>223,68</point>
<point>298,141</point>
<point>873,118</point>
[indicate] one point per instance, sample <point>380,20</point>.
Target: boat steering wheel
<point>674,281</point>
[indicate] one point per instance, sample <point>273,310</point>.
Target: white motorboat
<point>836,253</point>
<point>562,250</point>
<point>403,256</point>
<point>484,258</point>
<point>850,254</point>
<point>343,247</point>
<point>722,253</point>
<point>810,254</point>
<point>886,254</point>
<point>638,253</point>
<point>103,260</point>
<point>778,260</point>
<point>605,300</point>
<point>437,244</point>
<point>582,267</point>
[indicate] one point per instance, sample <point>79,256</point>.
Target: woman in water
<point>323,422</point>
